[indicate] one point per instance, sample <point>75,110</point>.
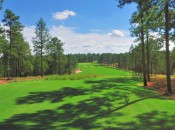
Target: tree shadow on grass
<point>82,115</point>
<point>124,84</point>
<point>118,92</point>
<point>53,96</point>
<point>153,120</point>
<point>125,80</point>
<point>85,113</point>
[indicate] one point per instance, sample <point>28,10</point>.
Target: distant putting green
<point>105,98</point>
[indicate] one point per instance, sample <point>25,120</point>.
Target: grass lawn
<point>96,102</point>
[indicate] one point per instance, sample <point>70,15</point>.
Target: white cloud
<point>116,33</point>
<point>90,42</point>
<point>63,15</point>
<point>84,43</point>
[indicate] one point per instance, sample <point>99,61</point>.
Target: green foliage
<point>56,57</point>
<point>155,16</point>
<point>16,52</point>
<point>71,64</point>
<point>49,55</point>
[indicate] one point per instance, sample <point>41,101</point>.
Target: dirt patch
<point>158,83</point>
<point>19,79</point>
<point>3,81</point>
<point>150,84</point>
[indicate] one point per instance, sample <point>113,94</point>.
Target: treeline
<point>16,57</point>
<point>110,59</point>
<point>132,60</point>
<point>153,16</point>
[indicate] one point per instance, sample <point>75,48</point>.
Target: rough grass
<point>111,100</point>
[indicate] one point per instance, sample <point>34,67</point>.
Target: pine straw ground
<point>20,79</point>
<point>30,78</point>
<point>3,81</point>
<point>159,84</point>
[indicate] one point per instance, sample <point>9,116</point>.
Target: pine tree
<point>40,41</point>
<point>56,55</point>
<point>14,28</point>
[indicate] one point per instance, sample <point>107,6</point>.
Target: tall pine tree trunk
<point>168,75</point>
<point>143,51</point>
<point>16,68</point>
<point>41,59</point>
<point>151,67</point>
<point>119,65</point>
<point>5,66</point>
<point>10,59</point>
<point>55,63</point>
<point>148,57</point>
<point>143,59</point>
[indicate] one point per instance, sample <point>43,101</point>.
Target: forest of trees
<point>17,58</point>
<point>132,59</point>
<point>153,25</point>
<point>152,16</point>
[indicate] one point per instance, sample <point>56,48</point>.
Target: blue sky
<point>90,22</point>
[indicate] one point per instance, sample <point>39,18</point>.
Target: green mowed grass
<point>91,103</point>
